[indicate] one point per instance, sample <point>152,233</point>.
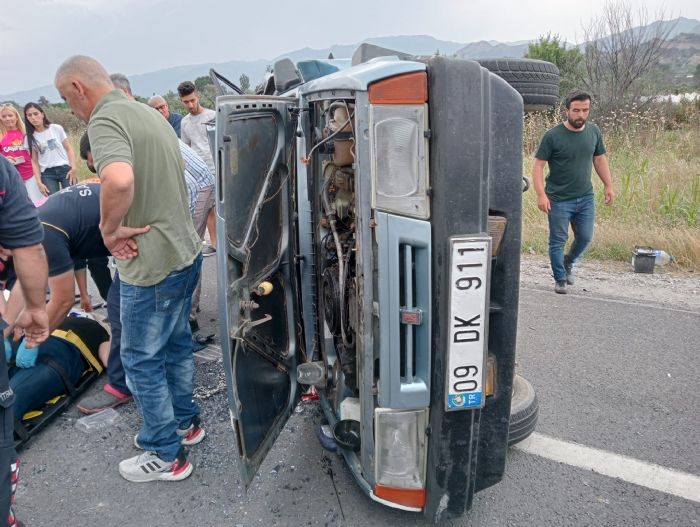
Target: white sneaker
<point>149,467</point>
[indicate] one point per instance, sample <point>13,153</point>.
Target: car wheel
<point>524,409</point>
<point>537,81</point>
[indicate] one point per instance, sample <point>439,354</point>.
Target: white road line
<point>628,469</point>
<point>616,301</point>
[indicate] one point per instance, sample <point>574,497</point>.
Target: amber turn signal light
<point>414,498</point>
<point>410,88</point>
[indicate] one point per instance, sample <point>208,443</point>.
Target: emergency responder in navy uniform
<point>20,238</point>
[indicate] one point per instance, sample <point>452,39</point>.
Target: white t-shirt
<point>49,147</point>
<point>193,133</point>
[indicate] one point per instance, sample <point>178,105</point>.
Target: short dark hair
<point>84,146</point>
<point>576,95</point>
<point>185,88</point>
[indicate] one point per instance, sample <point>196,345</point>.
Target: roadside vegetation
<point>653,148</point>
<point>654,155</point>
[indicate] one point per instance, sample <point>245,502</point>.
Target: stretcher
<point>36,419</point>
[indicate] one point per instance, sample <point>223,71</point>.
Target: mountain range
<point>682,51</point>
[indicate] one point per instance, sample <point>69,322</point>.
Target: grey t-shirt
<point>193,132</point>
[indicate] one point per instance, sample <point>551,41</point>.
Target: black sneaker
<point>560,287</point>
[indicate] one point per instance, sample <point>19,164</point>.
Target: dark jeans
<point>8,456</point>
<point>580,213</point>
<point>34,386</point>
<point>157,355</point>
<point>55,178</point>
<point>115,369</point>
<point>99,271</point>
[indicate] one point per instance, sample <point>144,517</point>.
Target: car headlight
<point>400,456</point>
<point>398,145</point>
<point>399,153</point>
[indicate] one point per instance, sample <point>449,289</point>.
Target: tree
<point>568,60</point>
<point>621,47</point>
<point>174,102</point>
<point>207,91</point>
<point>201,82</point>
<point>43,101</point>
<point>244,81</point>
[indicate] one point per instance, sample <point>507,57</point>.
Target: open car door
<point>222,85</point>
<point>257,288</point>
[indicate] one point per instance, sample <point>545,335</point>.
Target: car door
<point>257,288</point>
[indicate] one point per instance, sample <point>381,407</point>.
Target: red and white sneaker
<point>149,467</point>
<point>194,433</point>
<point>191,435</point>
<point>108,397</point>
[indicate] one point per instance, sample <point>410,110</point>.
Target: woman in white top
<point>52,153</point>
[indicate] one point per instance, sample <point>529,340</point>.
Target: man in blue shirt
<point>160,104</point>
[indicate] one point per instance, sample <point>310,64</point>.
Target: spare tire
<point>537,81</point>
<point>524,409</point>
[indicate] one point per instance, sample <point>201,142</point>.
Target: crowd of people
<point>149,209</point>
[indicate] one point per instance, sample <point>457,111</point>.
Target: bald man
<point>145,224</point>
<point>160,104</point>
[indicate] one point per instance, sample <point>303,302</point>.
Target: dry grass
<point>655,161</point>
<point>83,172</point>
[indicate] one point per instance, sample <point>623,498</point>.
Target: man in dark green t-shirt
<point>570,149</point>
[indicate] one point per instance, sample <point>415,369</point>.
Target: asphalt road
<point>610,375</point>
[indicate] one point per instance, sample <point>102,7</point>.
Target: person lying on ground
<point>34,373</point>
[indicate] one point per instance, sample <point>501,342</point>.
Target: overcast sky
<point>139,36</point>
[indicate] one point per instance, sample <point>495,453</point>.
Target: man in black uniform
<point>71,220</point>
<point>20,238</point>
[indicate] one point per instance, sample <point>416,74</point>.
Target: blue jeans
<point>580,213</point>
<point>55,178</point>
<point>156,351</point>
<point>115,369</point>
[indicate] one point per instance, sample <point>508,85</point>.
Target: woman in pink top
<point>13,145</point>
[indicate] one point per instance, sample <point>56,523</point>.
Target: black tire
<point>537,81</point>
<point>524,409</point>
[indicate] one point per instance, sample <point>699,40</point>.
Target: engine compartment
<point>335,229</point>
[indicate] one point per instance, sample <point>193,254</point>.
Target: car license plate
<point>470,261</point>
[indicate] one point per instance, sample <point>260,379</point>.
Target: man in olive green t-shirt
<point>146,224</point>
<point>570,149</point>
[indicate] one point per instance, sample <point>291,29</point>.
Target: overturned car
<point>369,219</point>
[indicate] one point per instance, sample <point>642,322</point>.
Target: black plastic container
<point>643,260</point>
